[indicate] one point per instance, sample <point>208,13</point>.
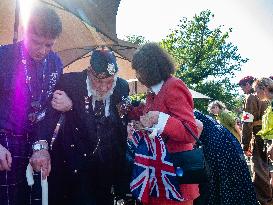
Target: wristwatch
<point>37,146</point>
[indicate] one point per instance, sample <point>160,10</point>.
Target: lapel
<point>79,90</point>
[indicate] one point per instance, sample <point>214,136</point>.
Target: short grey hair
<point>218,103</point>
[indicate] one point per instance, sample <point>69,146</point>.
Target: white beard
<point>97,96</point>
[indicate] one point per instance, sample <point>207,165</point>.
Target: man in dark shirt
<point>29,71</point>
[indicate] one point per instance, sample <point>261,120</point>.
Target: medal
<point>32,117</point>
<point>124,106</point>
<point>37,114</point>
<point>36,105</point>
<point>86,103</point>
<point>35,117</point>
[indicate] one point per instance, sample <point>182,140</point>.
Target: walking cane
<point>44,183</point>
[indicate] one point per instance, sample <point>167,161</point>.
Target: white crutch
<point>44,183</point>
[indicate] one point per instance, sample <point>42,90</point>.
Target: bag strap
<point>198,141</point>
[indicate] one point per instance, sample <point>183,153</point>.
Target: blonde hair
<point>218,103</point>
<point>263,83</point>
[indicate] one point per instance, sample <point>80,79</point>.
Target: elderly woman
<point>169,105</point>
<point>225,117</point>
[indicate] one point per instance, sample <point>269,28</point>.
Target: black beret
<point>103,63</point>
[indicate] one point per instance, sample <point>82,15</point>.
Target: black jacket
<point>74,146</point>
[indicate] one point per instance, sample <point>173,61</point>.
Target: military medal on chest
<point>35,106</point>
<point>124,106</point>
<point>86,104</point>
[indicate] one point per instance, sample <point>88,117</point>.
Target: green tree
<point>138,40</point>
<point>207,61</point>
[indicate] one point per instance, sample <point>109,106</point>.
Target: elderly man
<point>89,153</point>
<point>29,72</point>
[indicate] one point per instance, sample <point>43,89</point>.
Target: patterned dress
<point>231,183</point>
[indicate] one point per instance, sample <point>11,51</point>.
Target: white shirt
<point>163,117</point>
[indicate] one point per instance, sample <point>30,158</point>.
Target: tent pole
<point>16,22</point>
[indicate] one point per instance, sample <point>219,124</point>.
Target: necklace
<point>28,76</point>
<point>37,113</point>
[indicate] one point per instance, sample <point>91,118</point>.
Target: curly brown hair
<point>152,64</point>
<point>245,80</point>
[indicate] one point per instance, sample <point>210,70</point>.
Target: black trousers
<point>13,186</point>
<point>78,189</point>
<point>89,184</point>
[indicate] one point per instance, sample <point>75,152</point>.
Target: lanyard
<point>35,103</point>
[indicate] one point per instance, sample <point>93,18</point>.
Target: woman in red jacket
<point>169,105</point>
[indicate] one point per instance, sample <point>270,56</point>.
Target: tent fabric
<point>123,50</point>
<point>196,94</point>
<point>124,64</point>
<point>76,33</point>
<point>86,25</point>
<point>100,14</point>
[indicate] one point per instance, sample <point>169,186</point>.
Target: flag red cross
<point>245,117</point>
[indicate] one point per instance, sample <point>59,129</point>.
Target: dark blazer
<point>72,154</point>
<point>82,125</point>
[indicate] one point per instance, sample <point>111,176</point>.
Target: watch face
<point>37,147</point>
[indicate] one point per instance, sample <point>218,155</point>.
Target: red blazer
<point>174,99</point>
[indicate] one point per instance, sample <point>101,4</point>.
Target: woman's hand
<point>150,119</point>
<point>136,125</point>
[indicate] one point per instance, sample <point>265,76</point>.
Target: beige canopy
<point>86,25</point>
<point>196,94</point>
<point>77,32</point>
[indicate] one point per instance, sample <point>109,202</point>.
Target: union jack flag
<point>153,172</point>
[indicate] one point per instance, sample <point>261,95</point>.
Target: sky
<point>251,20</point>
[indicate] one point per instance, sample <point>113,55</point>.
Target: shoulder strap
<point>198,141</point>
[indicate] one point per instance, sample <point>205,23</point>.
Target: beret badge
<point>111,68</point>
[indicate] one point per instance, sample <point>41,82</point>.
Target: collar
<point>156,88</point>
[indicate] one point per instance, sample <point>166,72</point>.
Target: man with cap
<point>89,153</point>
<point>253,145</point>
